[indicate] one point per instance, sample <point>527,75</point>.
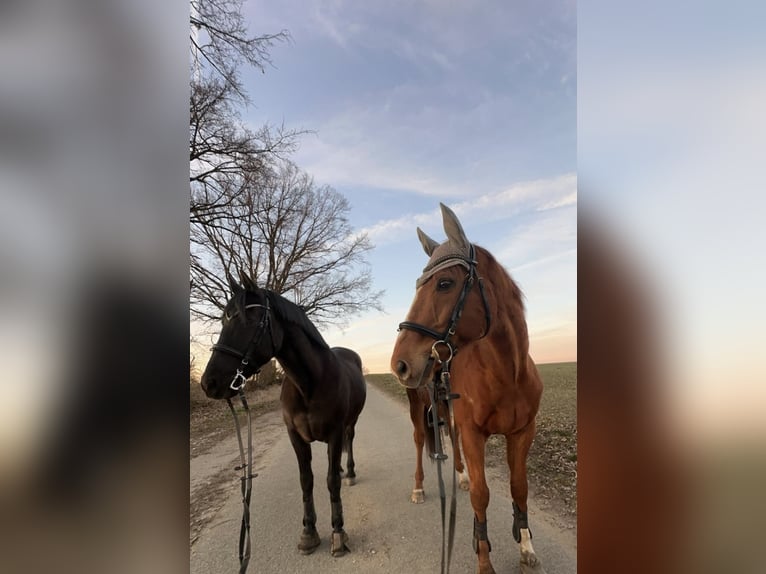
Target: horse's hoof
<point>464,484</point>
<point>485,568</point>
<point>309,542</point>
<point>349,481</point>
<point>417,496</point>
<point>529,558</point>
<point>536,568</point>
<point>339,547</point>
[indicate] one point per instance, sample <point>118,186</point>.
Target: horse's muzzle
<point>215,390</point>
<point>412,377</point>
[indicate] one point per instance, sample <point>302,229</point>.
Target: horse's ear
<point>428,244</point>
<point>233,285</point>
<point>454,230</point>
<point>248,282</point>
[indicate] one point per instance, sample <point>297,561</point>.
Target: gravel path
<point>386,532</point>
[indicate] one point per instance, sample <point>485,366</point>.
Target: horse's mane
<point>501,277</point>
<point>285,310</point>
<point>510,306</point>
<point>292,313</point>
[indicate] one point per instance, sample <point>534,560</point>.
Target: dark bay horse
<point>321,399</point>
<point>468,313</point>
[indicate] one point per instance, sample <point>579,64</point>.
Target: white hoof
<point>528,555</point>
<point>418,497</point>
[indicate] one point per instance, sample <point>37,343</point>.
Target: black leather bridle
<point>445,338</point>
<point>264,324</point>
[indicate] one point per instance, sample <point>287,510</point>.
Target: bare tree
<point>222,150</point>
<point>220,42</point>
<point>252,212</point>
<point>220,145</point>
<point>289,235</point>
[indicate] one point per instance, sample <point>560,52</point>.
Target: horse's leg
<point>350,478</point>
<point>474,443</point>
<point>419,436</point>
<point>310,537</point>
<point>339,536</point>
<point>462,474</point>
<point>517,448</point>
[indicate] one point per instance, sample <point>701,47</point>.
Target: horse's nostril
<point>401,368</point>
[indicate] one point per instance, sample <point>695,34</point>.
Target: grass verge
<point>210,421</point>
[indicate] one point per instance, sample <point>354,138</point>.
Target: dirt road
<point>387,533</point>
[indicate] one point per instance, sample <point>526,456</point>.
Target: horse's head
<point>450,308</point>
<point>249,339</point>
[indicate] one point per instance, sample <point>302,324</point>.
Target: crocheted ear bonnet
<point>455,251</point>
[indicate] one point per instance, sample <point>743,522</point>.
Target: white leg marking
<point>528,555</point>
<point>463,479</point>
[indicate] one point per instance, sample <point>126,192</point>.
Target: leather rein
<point>440,392</point>
<point>246,463</point>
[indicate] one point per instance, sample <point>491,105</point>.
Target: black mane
<point>285,310</point>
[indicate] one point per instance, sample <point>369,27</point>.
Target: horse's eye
<point>444,284</point>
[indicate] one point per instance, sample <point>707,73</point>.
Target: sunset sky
<point>412,104</point>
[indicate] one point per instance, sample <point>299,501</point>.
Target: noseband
<point>265,323</point>
<point>445,338</point>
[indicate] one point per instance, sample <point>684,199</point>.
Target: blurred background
<point>94,286</point>
<point>671,395</point>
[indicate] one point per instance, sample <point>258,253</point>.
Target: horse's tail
<point>348,434</point>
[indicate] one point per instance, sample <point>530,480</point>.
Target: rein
<point>246,479</point>
<point>439,391</point>
<point>246,463</point>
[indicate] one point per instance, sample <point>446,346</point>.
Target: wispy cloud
<point>336,22</point>
<point>429,98</point>
<point>341,157</point>
<point>545,260</point>
<point>570,199</point>
<point>537,195</point>
<point>542,237</point>
<point>441,139</point>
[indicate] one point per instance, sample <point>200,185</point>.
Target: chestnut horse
<point>468,318</point>
<point>321,399</point>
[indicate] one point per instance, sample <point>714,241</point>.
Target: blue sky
<point>413,103</point>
